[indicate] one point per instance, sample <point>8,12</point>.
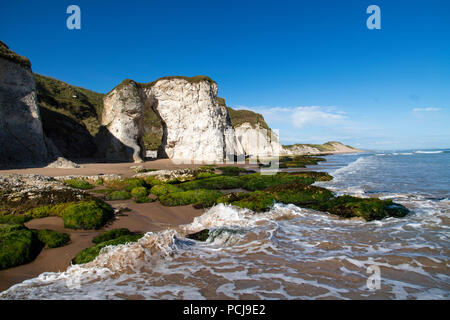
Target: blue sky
<point>312,68</point>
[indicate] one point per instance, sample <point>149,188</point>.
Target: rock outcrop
<point>194,126</point>
<point>253,133</point>
<point>70,116</point>
<point>120,138</point>
<point>22,141</point>
<point>258,141</point>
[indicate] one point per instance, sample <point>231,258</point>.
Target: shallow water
<point>288,252</point>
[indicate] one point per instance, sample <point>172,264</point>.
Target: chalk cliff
<point>22,141</point>
<point>194,126</point>
<point>253,133</point>
<point>120,138</point>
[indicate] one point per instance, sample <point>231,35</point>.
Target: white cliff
<point>22,141</point>
<point>121,135</point>
<point>195,127</point>
<point>258,141</point>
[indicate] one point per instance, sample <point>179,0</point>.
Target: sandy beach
<point>143,217</point>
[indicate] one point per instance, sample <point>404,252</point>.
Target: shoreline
<point>145,217</point>
<point>141,218</point>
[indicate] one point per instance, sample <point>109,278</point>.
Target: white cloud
<point>429,109</point>
<point>315,115</point>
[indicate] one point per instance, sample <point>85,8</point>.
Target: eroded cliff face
<point>258,141</point>
<point>22,141</point>
<point>120,137</point>
<point>194,126</point>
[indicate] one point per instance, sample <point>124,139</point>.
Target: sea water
<point>288,252</point>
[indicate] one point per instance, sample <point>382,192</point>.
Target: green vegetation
<point>163,189</point>
<point>257,181</point>
<point>202,198</point>
<point>53,239</point>
<point>138,192</point>
<point>298,161</point>
<point>91,253</point>
<point>239,117</point>
<point>81,105</point>
<point>256,201</point>
<point>366,208</point>
<point>125,184</point>
<point>203,175</point>
<point>110,235</point>
<point>14,219</point>
<point>299,194</point>
<point>219,182</point>
<point>317,176</point>
<point>153,130</point>
<point>79,184</point>
<point>7,54</point>
<point>118,195</point>
<point>87,215</point>
<point>18,245</point>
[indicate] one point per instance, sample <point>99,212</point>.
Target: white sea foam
<point>429,152</point>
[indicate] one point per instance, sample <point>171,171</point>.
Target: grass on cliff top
<point>239,117</point>
<point>195,79</point>
<point>326,147</point>
<point>82,105</point>
<point>10,55</point>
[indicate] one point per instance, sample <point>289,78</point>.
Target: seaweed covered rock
<point>317,176</point>
<point>53,239</point>
<point>111,234</point>
<point>199,236</point>
<point>366,208</point>
<point>257,181</point>
<point>163,189</point>
<point>299,194</point>
<point>256,201</point>
<point>18,245</point>
<point>219,182</point>
<point>87,215</point>
<point>202,198</point>
<point>20,193</point>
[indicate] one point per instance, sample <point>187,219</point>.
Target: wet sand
<point>142,217</point>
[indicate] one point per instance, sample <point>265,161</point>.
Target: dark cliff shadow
<point>110,149</point>
<point>71,138</point>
